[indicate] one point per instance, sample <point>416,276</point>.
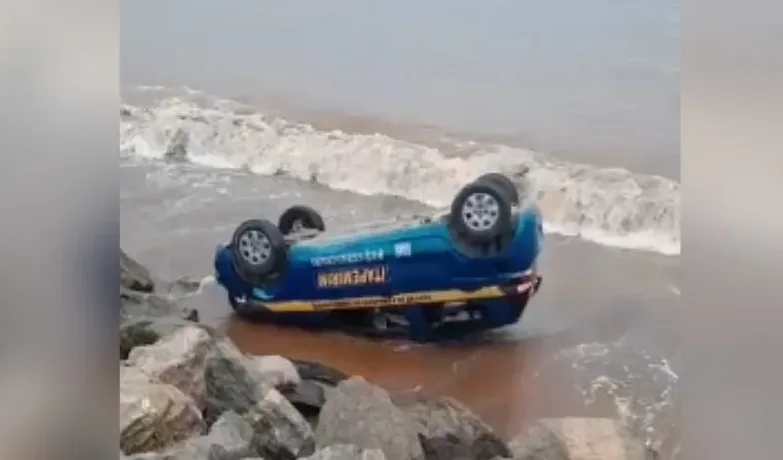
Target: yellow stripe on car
<point>417,298</point>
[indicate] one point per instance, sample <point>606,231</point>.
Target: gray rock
<point>133,275</point>
<point>147,456</point>
<point>310,395</point>
<point>450,431</point>
<point>154,415</point>
<point>230,438</point>
<point>138,298</point>
<point>346,452</point>
<point>235,435</point>
<point>308,398</point>
<point>318,372</point>
<point>574,438</point>
<point>179,359</point>
<point>149,330</point>
<point>135,305</point>
<point>358,413</point>
<point>276,371</point>
<point>233,385</point>
<point>282,432</point>
<point>184,286</point>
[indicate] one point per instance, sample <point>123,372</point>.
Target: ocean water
<point>377,110</point>
<point>594,81</point>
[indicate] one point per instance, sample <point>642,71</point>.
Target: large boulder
<point>179,359</point>
<point>574,438</point>
<point>346,452</point>
<point>133,275</point>
<point>361,414</point>
<point>450,431</point>
<point>154,415</point>
<point>233,384</point>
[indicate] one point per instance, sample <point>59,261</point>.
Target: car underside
<point>458,272</point>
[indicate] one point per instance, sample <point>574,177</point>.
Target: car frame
<point>469,269</point>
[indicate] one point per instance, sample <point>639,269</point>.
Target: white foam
<point>640,385</point>
<point>609,206</point>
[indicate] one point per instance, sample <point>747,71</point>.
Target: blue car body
<point>408,269</point>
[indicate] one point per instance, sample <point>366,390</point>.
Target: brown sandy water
<point>570,355</point>
<point>498,381</point>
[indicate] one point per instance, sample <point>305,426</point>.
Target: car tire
<point>259,250</point>
<point>503,181</point>
<point>300,217</point>
<point>481,212</point>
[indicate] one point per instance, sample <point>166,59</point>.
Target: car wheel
<point>481,211</point>
<point>297,218</point>
<point>259,249</point>
<point>504,182</point>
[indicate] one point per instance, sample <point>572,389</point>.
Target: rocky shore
<point>188,393</point>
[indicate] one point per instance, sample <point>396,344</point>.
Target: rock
<point>147,456</point>
<point>149,330</point>
<point>308,398</point>
<point>574,438</point>
<point>276,370</point>
<point>154,415</point>
<point>282,432</point>
<point>230,438</point>
<point>450,431</point>
<point>184,286</point>
<point>137,296</point>
<point>309,370</point>
<point>346,452</point>
<point>233,385</point>
<point>133,275</point>
<point>234,434</point>
<point>363,415</point>
<point>179,359</point>
<point>135,305</point>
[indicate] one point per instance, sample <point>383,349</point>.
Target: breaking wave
<point>610,206</point>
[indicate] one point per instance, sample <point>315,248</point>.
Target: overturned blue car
<point>470,269</point>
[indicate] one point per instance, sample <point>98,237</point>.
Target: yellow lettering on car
<point>352,277</point>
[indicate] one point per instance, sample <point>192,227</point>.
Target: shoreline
<point>157,351</point>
